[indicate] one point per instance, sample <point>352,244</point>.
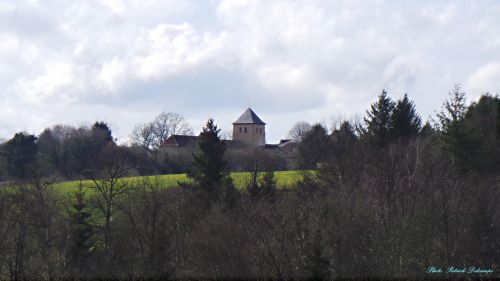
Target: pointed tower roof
<point>249,117</point>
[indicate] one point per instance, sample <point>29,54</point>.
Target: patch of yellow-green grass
<point>284,179</point>
<point>70,187</point>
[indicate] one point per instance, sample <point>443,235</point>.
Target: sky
<point>125,61</point>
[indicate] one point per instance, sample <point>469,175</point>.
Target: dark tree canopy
<point>20,155</point>
<point>69,151</point>
<point>378,121</point>
<point>102,130</point>
<point>314,147</point>
<point>405,119</point>
<point>427,130</point>
<point>479,133</point>
<point>345,135</point>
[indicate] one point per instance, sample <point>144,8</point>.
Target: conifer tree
<point>209,164</point>
<point>453,111</point>
<point>81,233</point>
<point>454,137</point>
<point>379,120</point>
<point>405,119</point>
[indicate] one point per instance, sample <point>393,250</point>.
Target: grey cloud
<point>290,60</point>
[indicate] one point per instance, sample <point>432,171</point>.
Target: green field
<point>284,179</point>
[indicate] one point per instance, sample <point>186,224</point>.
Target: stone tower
<point>249,128</point>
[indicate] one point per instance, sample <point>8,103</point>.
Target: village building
<point>180,141</point>
<point>249,128</point>
<point>249,132</point>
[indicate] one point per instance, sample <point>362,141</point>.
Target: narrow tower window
<point>245,130</point>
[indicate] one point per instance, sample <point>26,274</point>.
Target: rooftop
<point>179,141</point>
<point>249,117</point>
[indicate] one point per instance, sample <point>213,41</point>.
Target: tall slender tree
<point>454,137</point>
<point>209,164</point>
<point>81,234</point>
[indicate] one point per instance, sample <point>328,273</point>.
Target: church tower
<point>249,128</point>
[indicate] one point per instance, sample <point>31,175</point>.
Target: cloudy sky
<point>125,61</point>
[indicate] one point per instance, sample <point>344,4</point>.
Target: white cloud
<point>46,85</point>
<point>113,75</point>
<point>172,49</point>
<point>116,6</point>
<point>485,79</point>
<point>283,77</point>
<point>286,58</point>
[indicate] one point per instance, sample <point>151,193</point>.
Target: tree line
<point>67,152</point>
<point>386,197</point>
<point>73,152</point>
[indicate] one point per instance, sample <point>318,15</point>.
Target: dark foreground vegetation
<point>391,198</point>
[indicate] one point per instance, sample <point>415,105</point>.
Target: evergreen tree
<point>209,164</point>
<point>481,129</point>
<point>455,138</point>
<point>405,119</point>
<point>379,120</point>
<point>453,111</point>
<point>81,234</point>
<point>314,147</point>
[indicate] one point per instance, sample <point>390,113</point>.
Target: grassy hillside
<point>284,179</point>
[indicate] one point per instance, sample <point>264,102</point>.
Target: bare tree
<point>299,130</point>
<point>108,185</point>
<point>52,145</point>
<point>143,136</point>
<point>153,134</point>
<point>167,124</point>
<point>146,211</point>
